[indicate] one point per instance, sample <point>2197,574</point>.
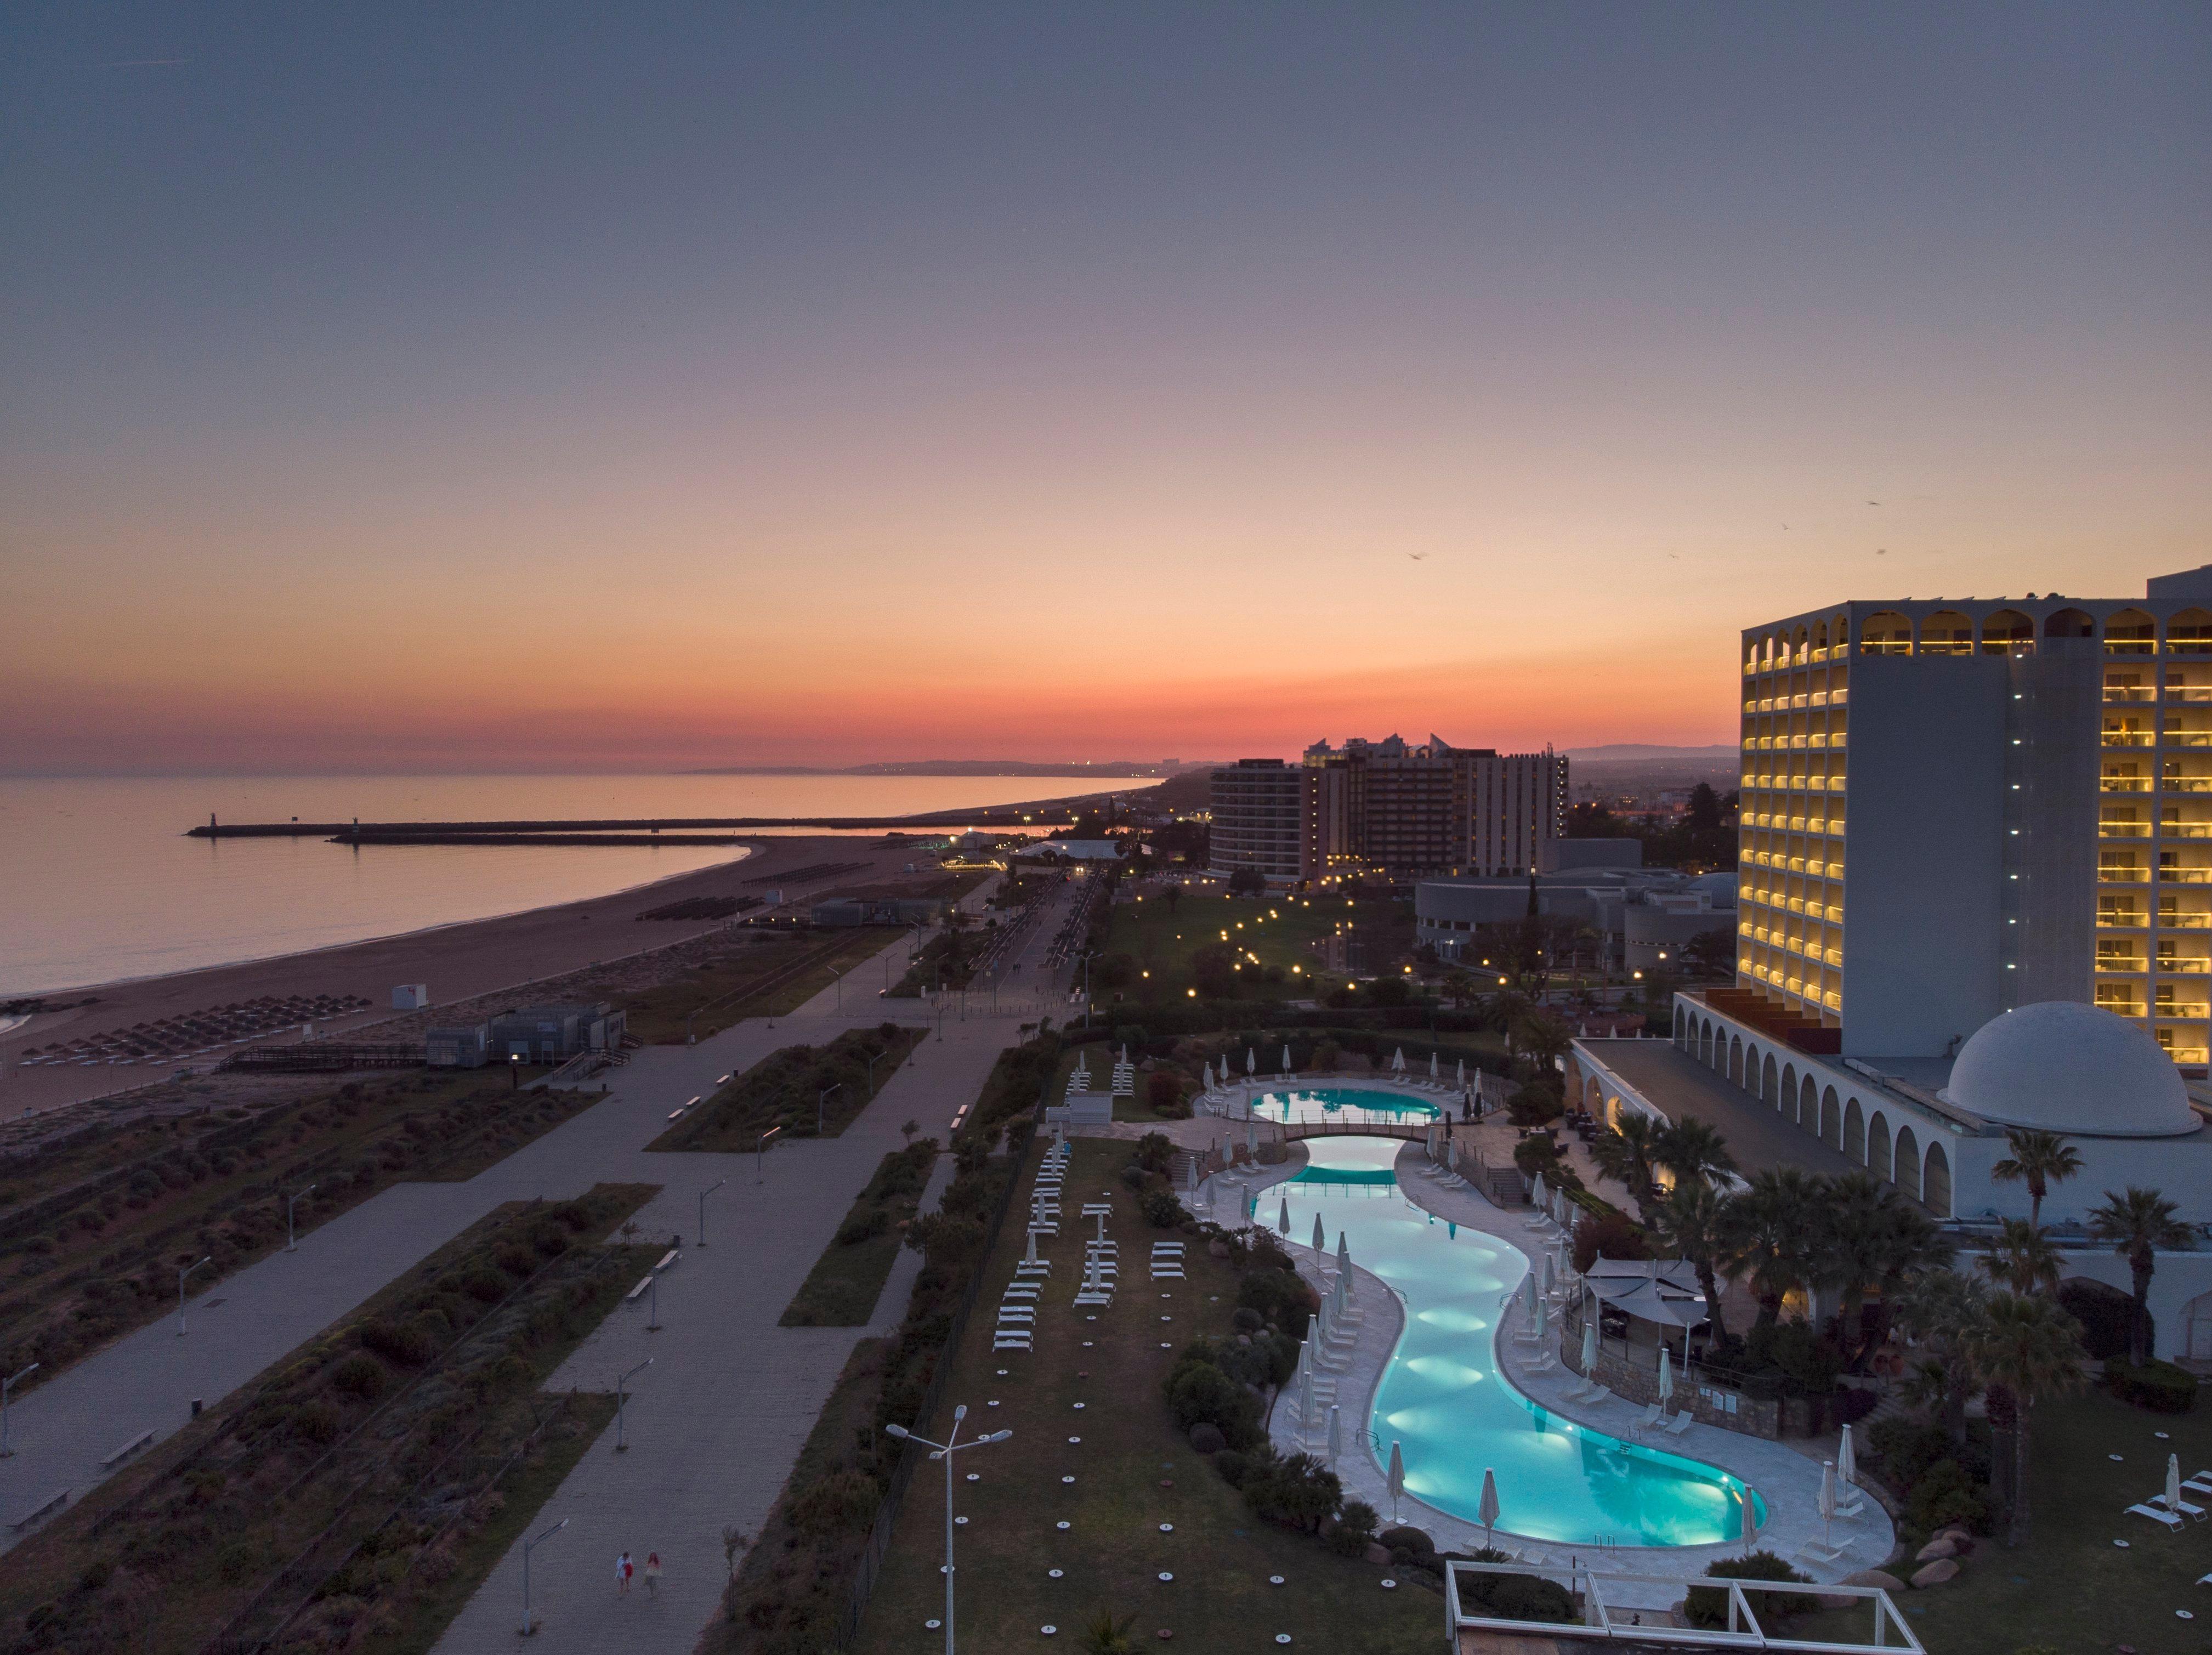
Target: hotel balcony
<point>2120,965</point>
<point>2185,829</point>
<point>2187,738</point>
<point>2182,1011</point>
<point>2126,739</point>
<point>2118,692</point>
<point>2112,873</point>
<point>2124,830</point>
<point>2113,917</point>
<point>2121,783</point>
<point>2178,875</point>
<point>2179,783</point>
<point>2120,998</point>
<point>2179,919</point>
<point>2180,964</point>
<point>2185,692</point>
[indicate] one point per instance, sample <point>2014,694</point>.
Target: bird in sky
<point>1874,502</point>
<point>1417,556</point>
<point>1881,551</point>
<point>1785,528</point>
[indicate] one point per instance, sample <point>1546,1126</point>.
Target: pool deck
<point>1786,1479</point>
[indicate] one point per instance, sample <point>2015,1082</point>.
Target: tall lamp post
<point>820,1105</point>
<point>760,1153</point>
<point>703,1194</point>
<point>181,1274</point>
<point>7,1386</point>
<point>529,1626</point>
<point>622,1398</point>
<point>944,1451</point>
<point>291,1237</point>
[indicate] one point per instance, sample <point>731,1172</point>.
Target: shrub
<point>843,1502</point>
<point>315,1421</point>
<point>1163,1092</point>
<point>1516,1597</point>
<point>1161,1209</point>
<point>1608,1235</point>
<point>1280,1297</point>
<point>1297,1492</point>
<point>2105,1312</point>
<point>1809,1362</point>
<point>1206,1439</point>
<point>1707,1607</point>
<point>360,1375</point>
<point>1245,1320</point>
<point>408,1346</point>
<point>484,1286</point>
<point>1353,1532</point>
<point>1135,1175</point>
<point>870,1225</point>
<point>2159,1386</point>
<point>1849,1407</point>
<point>1413,1542</point>
<point>1232,1466</point>
<point>1199,1392</point>
<point>1154,1151</point>
<point>1533,1105</point>
<point>1943,1494</point>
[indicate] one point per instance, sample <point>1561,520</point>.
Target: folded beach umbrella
<point>1335,1431</point>
<point>1344,1263</point>
<point>1847,1461</point>
<point>1397,1477</point>
<point>1320,1239</point>
<point>1287,1057</point>
<point>1536,1191</point>
<point>1589,1347</point>
<point>1666,1377</point>
<point>1750,1519</point>
<point>1251,1061</point>
<point>1432,1066</point>
<point>1486,1513</point>
<point>1283,1223</point>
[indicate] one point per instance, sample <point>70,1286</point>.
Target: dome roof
<point>2060,1066</point>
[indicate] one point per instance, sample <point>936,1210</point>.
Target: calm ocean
<point>98,884</point>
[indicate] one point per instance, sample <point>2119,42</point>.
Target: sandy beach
<point>456,961</point>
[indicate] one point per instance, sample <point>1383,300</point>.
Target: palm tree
<point>1850,1247</point>
<point>1625,1153</point>
<point>2040,1159</point>
<point>1692,1221</point>
<point>2022,1258</point>
<point>1104,1635</point>
<point>2137,1224</point>
<point>1769,1233</point>
<point>1544,1038</point>
<point>1693,1151</point>
<point>2026,1343</point>
<point>1933,1309</point>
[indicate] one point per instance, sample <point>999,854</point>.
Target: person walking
<point>653,1574</point>
<point>622,1575</point>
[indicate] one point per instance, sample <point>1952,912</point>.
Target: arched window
<point>1886,634</point>
<point>1751,1067</point>
<point>1908,1162</point>
<point>2008,632</point>
<point>1840,639</point>
<point>1878,1161</point>
<point>1809,1109</point>
<point>1947,632</point>
<point>1786,1099</point>
<point>1735,1060</point>
<point>1681,1027</point>
<point>2190,633</point>
<point>1819,638</point>
<point>1831,1120</point>
<point>1855,1144</point>
<point>2130,632</point>
<point>1935,1186</point>
<point>2069,623</point>
<point>1800,644</point>
<point>1770,1088</point>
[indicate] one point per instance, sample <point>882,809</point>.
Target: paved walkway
<point>714,1424</point>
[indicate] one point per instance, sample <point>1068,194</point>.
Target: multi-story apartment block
<point>1432,809</point>
<point>1258,812</point>
<point>1953,807</point>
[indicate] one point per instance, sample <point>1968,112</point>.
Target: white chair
<point>1682,1421</point>
<point>1651,1415</point>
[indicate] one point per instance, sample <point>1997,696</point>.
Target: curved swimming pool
<point>1340,1103</point>
<point>1442,1397</point>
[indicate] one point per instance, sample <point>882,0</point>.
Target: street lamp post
<point>514,1071</point>
<point>7,1386</point>
<point>944,1451</point>
<point>181,1274</point>
<point>291,1239</point>
<point>760,1153</point>
<point>622,1397</point>
<point>528,1625</point>
<point>820,1103</point>
<point>703,1194</point>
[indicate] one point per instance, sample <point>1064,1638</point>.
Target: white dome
<point>2063,1066</point>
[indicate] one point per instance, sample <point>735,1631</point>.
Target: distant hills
<point>1628,752</point>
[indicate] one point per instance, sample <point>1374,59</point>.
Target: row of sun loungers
<point>1017,1325</point>
<point>2172,1517</point>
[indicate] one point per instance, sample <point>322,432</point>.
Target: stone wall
<point>1707,1403</point>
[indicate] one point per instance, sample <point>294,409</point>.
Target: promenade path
<point>769,1226</point>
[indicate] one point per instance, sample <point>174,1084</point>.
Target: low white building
<point>1935,1127</point>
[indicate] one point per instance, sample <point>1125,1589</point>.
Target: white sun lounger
<point>1580,1389</point>
<point>2156,1514</point>
<point>1682,1421</point>
<point>1170,1275</point>
<point>1651,1415</point>
<point>1094,1299</point>
<point>1011,1344</point>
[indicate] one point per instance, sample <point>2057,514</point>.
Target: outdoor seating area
<point>197,1034</point>
<point>1017,1325</point>
<point>2168,1508</point>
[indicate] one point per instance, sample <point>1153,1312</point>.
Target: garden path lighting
<point>529,1626</point>
<point>181,1274</point>
<point>944,1451</point>
<point>622,1398</point>
<point>760,1152</point>
<point>7,1386</point>
<point>821,1104</point>
<point>291,1238</point>
<point>703,1194</point>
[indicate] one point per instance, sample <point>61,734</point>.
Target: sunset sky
<point>545,388</point>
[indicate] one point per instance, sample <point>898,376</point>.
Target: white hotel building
<point>1965,824</point>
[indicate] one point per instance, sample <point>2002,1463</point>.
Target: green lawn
<point>770,975</point>
<point>1133,1471</point>
<point>2070,1587</point>
<point>1280,930</point>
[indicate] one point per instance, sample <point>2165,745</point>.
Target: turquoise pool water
<point>1341,1104</point>
<point>1442,1397</point>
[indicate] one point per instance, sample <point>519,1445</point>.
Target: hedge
<point>2159,1386</point>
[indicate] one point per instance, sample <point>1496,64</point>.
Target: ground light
<point>944,1451</point>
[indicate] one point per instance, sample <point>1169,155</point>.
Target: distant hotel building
<point>1406,811</point>
<point>2021,792</point>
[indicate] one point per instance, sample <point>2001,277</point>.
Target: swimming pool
<point>1341,1104</point>
<point>1442,1397</point>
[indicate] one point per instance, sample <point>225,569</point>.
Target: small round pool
<point>1342,1103</point>
<point>1442,1397</point>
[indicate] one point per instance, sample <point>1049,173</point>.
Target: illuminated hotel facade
<point>1951,808</point>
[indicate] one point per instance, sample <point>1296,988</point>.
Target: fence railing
<point>878,1548</point>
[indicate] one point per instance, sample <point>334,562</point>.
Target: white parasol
<point>1666,1377</point>
<point>1397,1477</point>
<point>1335,1431</point>
<point>1486,1513</point>
<point>1283,1223</point>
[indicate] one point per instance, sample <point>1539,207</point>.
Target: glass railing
<point>2124,830</point>
<point>2170,920</point>
<point>2189,739</point>
<point>2126,692</point>
<point>2185,876</point>
<point>2185,829</point>
<point>2124,784</point>
<point>2126,739</point>
<point>2188,692</point>
<point>2169,963</point>
<point>2124,876</point>
<point>2135,965</point>
<point>2182,1010</point>
<point>2185,784</point>
<point>2121,919</point>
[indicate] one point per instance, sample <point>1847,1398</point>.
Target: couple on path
<point>624,1569</point>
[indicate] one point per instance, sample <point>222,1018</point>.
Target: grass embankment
<point>841,1289</point>
<point>797,1579</point>
<point>1133,1471</point>
<point>785,1089</point>
<point>2069,1587</point>
<point>1286,934</point>
<point>763,974</point>
<point>342,1501</point>
<point>86,1269</point>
